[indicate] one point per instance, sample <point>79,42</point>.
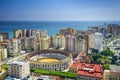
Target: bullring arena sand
<point>48,60</point>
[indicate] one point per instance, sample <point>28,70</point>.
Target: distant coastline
<point>52,27</point>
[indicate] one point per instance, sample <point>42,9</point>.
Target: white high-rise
<point>95,41</point>
<point>98,37</point>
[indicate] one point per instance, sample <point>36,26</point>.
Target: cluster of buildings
<point>87,71</point>
<point>91,71</point>
<point>111,75</point>
<point>67,39</point>
<point>71,40</point>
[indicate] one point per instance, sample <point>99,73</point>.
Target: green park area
<point>6,66</point>
<point>50,72</point>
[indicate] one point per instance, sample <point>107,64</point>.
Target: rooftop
<point>2,43</point>
<point>114,68</point>
<point>87,69</point>
<point>19,62</point>
<point>11,78</point>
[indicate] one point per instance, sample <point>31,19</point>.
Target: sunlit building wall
<point>70,43</point>
<point>59,42</point>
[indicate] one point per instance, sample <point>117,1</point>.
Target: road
<point>11,59</point>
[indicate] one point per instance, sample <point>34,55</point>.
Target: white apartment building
<point>95,41</point>
<point>1,38</point>
<point>19,69</point>
<point>3,53</point>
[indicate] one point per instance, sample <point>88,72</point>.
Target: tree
<point>6,66</point>
<point>106,67</point>
<point>107,48</point>
<point>106,60</point>
<point>114,59</point>
<point>96,56</point>
<point>103,60</point>
<point>100,61</point>
<point>107,53</point>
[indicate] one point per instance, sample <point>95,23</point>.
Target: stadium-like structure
<point>50,59</point>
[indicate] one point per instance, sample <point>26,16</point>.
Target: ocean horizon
<point>52,27</point>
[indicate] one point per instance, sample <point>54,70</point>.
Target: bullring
<point>50,59</point>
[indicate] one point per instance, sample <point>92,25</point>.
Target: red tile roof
<point>87,69</point>
<point>1,43</point>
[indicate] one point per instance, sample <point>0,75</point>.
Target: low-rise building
<point>87,71</point>
<point>19,69</point>
<point>109,75</point>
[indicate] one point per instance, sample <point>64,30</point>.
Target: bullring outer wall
<point>59,65</point>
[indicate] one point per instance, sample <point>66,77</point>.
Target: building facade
<point>64,59</point>
<point>17,33</point>
<point>59,42</point>
<point>1,38</point>
<point>5,35</point>
<point>3,53</point>
<point>27,43</point>
<point>67,31</point>
<point>44,43</point>
<point>95,41</point>
<point>113,29</point>
<point>29,33</point>
<point>108,75</point>
<point>70,43</point>
<point>13,46</point>
<point>19,69</point>
<point>80,44</point>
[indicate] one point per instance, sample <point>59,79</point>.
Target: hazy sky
<point>60,10</point>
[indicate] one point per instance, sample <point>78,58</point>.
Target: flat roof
<point>114,68</point>
<point>19,62</point>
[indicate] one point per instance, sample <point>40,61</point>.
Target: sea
<point>52,27</point>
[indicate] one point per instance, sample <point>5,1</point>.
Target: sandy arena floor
<point>48,60</point>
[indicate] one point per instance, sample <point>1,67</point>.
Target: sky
<point>59,10</point>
